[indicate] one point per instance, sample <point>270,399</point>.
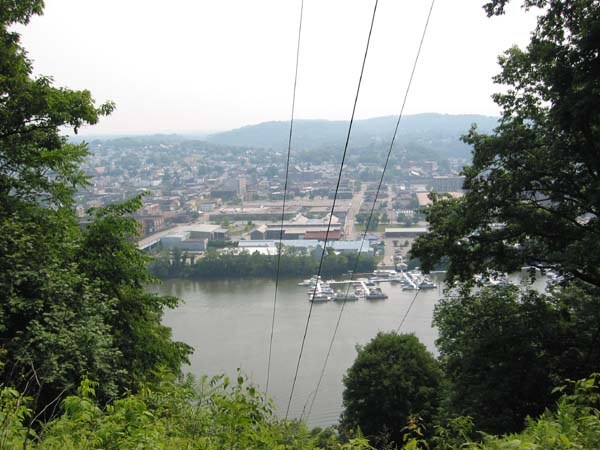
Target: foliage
<point>503,351</point>
<point>392,379</point>
<point>246,265</point>
<point>72,302</point>
<point>213,414</point>
<point>574,425</point>
<point>363,217</point>
<point>456,433</point>
<point>532,190</point>
<point>222,413</point>
<point>108,256</point>
<point>212,244</point>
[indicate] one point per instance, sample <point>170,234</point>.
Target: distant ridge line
<point>315,133</point>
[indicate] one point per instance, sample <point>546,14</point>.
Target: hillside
<point>439,132</point>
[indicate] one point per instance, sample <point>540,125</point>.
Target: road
<point>390,202</point>
<point>355,205</point>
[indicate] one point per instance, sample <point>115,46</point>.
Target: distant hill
<point>160,138</point>
<point>438,132</point>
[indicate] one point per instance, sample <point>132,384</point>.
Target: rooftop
<point>407,230</point>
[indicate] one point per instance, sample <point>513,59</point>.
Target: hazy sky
<point>205,65</point>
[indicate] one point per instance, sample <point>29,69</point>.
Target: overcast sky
<point>208,65</point>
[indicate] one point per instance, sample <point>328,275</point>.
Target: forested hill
<point>436,131</point>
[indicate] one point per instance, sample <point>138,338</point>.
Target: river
<point>229,323</point>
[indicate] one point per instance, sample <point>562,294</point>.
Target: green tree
<point>504,351</point>
<point>361,218</point>
<point>574,423</point>
<point>393,377</point>
<point>52,316</point>
<point>108,256</point>
<point>533,188</point>
<point>72,302</point>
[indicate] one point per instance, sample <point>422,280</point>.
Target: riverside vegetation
<point>86,362</point>
<point>224,264</point>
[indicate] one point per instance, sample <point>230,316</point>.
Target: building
<point>224,194</point>
<point>333,235</point>
<point>207,231</point>
<point>151,224</point>
<point>310,245</point>
<point>447,184</point>
<point>207,206</point>
<point>152,209</point>
<point>299,232</point>
<point>183,241</point>
<point>259,233</point>
<point>408,232</point>
<point>257,246</point>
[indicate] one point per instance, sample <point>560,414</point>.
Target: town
<point>197,192</point>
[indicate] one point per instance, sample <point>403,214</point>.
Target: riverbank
<point>226,265</point>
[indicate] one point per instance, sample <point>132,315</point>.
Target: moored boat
<point>384,273</point>
<point>426,283</point>
<point>410,287</point>
<point>342,296</point>
<point>311,281</point>
<point>376,294</point>
<point>319,297</point>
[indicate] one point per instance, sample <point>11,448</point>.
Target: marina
<point>365,288</point>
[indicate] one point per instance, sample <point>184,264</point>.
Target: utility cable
<point>371,213</point>
<point>332,207</point>
<point>407,311</point>
<point>287,169</point>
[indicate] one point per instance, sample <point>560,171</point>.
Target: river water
<point>229,324</point>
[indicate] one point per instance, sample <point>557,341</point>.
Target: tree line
<point>242,264</point>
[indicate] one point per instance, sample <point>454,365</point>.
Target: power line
<point>287,168</point>
<point>332,206</point>
<point>407,311</point>
<point>371,214</point>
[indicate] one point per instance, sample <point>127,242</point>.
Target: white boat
<point>327,290</point>
<point>311,281</point>
<point>396,279</point>
<point>341,296</point>
<point>385,273</point>
<point>376,294</point>
<point>496,279</point>
<point>555,277</point>
<point>426,283</point>
<point>319,297</point>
